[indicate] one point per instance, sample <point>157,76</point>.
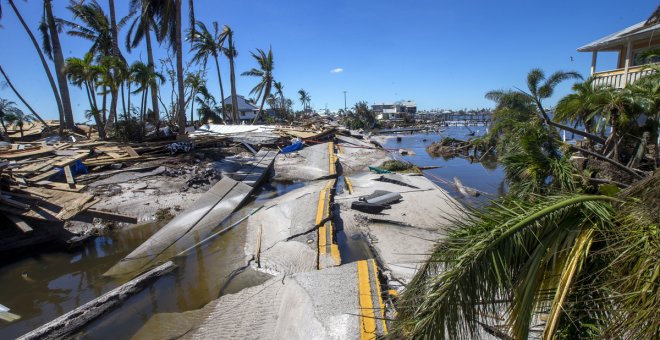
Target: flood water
<point>486,177</point>
<point>45,286</point>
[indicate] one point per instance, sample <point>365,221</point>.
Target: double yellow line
<point>369,295</point>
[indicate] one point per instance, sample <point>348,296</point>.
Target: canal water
<point>45,286</point>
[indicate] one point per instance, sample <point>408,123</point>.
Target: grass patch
<point>401,167</point>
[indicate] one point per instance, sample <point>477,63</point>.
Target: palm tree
<point>265,72</point>
<point>83,73</point>
<point>618,108</point>
<point>140,29</point>
<point>279,93</point>
<point>195,81</point>
<point>49,75</point>
<point>145,78</point>
<point>578,107</point>
<point>231,53</point>
<point>98,29</point>
<point>8,111</point>
<point>19,118</point>
<point>304,98</point>
<point>53,49</point>
<point>205,44</point>
<point>20,97</point>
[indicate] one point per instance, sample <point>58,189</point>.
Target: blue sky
<point>443,54</point>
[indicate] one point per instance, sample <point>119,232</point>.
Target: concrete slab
<point>422,215</point>
<point>357,156</point>
<point>309,164</point>
<point>207,212</point>
<point>283,233</point>
<point>313,305</point>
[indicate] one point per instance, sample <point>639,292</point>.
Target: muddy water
<point>46,286</point>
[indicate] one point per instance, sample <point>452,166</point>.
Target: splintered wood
<point>38,181</point>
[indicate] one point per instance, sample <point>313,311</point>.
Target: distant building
<point>630,43</point>
<point>246,110</point>
<point>395,111</point>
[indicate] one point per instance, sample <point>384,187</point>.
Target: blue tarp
<point>295,146</point>
<point>77,168</point>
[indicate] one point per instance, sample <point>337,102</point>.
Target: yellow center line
<point>367,320</point>
<point>331,157</point>
<point>349,185</point>
<point>380,297</point>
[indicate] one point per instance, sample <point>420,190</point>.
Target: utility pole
<point>344,101</point>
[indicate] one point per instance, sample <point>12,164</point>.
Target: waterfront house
<point>246,110</point>
<point>631,43</point>
<point>395,111</point>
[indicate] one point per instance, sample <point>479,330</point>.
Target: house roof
<point>243,104</point>
<point>640,30</point>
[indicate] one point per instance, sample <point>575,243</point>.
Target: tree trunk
<point>155,111</point>
<point>58,59</point>
<point>181,115</point>
<point>591,136</point>
<point>53,87</point>
<point>104,102</point>
<point>5,135</point>
<point>261,107</point>
<point>110,125</point>
<point>123,99</point>
<point>23,100</point>
<point>611,161</point>
<point>95,110</point>
<point>232,76</point>
<point>192,109</point>
<point>222,91</point>
<point>113,28</point>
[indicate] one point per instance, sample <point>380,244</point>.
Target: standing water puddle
<point>45,286</point>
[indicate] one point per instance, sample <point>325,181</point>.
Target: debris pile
<point>449,147</point>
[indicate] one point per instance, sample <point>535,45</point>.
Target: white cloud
<point>337,70</point>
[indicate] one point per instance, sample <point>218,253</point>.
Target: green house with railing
<point>632,45</point>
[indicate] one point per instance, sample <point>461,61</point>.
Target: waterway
<point>47,285</point>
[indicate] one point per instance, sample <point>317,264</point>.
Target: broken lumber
<point>69,323</point>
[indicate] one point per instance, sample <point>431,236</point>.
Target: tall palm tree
<point>140,29</point>
<point>44,64</point>
<point>53,49</point>
<point>265,72</point>
<point>20,97</point>
<point>279,92</point>
<point>205,44</point>
<point>19,118</point>
<point>618,108</point>
<point>83,73</point>
<point>231,53</point>
<point>98,29</point>
<point>144,77</point>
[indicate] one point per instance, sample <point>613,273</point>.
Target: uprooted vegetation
<point>400,166</point>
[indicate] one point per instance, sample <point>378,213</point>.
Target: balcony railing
<point>615,78</point>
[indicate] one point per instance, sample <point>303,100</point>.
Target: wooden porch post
<point>594,55</point>
<point>627,65</point>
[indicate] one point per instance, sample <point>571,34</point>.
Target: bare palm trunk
<point>58,59</point>
<point>113,28</point>
<point>192,109</point>
<point>112,116</point>
<point>181,117</point>
<point>232,76</point>
<point>58,100</point>
<point>95,110</point>
<point>222,91</point>
<point>261,107</point>
<point>123,99</point>
<point>155,113</point>
<point>104,102</point>
<point>22,99</point>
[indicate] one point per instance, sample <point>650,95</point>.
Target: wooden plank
<point>60,186</point>
<point>71,160</point>
<point>44,176</point>
<point>131,152</point>
<point>110,161</point>
<point>13,203</point>
<point>22,154</point>
<point>20,224</point>
<point>114,155</point>
<point>69,176</point>
<point>111,216</point>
